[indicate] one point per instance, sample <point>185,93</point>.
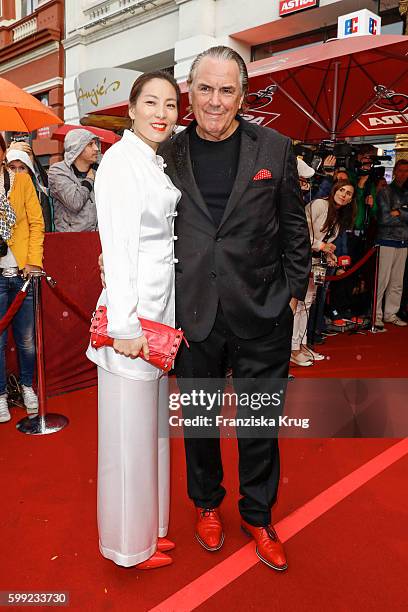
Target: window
<point>28,7</point>
<point>288,44</point>
<point>43,97</point>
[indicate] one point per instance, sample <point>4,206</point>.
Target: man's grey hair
<point>224,54</point>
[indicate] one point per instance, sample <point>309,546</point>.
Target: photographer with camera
<point>72,183</point>
<point>326,218</point>
<point>363,233</point>
<point>21,252</point>
<point>332,174</point>
<point>392,237</point>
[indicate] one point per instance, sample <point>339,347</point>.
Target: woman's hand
<point>28,269</point>
<point>101,270</point>
<point>293,305</point>
<point>132,347</point>
<point>328,247</point>
<point>331,259</point>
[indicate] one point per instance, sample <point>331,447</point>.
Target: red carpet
<point>378,355</point>
<point>352,557</point>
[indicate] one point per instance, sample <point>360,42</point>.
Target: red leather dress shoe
<point>268,546</point>
<point>209,529</point>
<point>158,559</point>
<point>164,545</point>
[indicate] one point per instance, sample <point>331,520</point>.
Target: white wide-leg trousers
<point>133,467</point>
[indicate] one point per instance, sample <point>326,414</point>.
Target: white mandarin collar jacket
<point>136,203</point>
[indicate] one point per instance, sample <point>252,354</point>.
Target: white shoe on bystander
<point>4,411</point>
<point>30,400</point>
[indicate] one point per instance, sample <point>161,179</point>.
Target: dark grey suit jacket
<point>259,257</point>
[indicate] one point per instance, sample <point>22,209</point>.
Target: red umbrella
<point>107,137</point>
<point>346,87</point>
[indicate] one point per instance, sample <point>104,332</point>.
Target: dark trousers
<point>265,359</point>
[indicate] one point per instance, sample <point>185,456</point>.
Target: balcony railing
<point>24,29</point>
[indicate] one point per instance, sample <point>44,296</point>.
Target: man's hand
<point>28,269</point>
<point>329,163</point>
<point>293,305</point>
<point>131,348</point>
<point>339,271</point>
<point>395,213</point>
<point>101,270</point>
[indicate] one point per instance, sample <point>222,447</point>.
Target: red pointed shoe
<point>209,529</point>
<point>158,559</point>
<point>268,546</point>
<point>164,545</point>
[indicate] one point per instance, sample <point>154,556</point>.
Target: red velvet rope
<point>13,308</point>
<point>356,266</point>
<point>64,298</point>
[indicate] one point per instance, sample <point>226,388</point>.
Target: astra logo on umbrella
<point>257,101</point>
<point>377,118</point>
<point>261,98</point>
<point>395,102</point>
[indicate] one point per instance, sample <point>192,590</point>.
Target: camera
<point>319,268</point>
<point>375,171</point>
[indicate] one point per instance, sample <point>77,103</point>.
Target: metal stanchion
<point>377,266</point>
<point>43,423</point>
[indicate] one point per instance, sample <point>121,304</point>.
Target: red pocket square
<point>262,174</point>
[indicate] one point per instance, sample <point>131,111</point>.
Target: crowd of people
<point>21,254</point>
<point>347,213</point>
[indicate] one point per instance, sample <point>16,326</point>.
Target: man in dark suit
<point>243,262</point>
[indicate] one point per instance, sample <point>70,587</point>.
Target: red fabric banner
<point>72,260</point>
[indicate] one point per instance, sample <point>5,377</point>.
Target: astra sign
<point>287,7</point>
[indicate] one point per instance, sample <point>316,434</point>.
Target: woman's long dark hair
<point>342,217</point>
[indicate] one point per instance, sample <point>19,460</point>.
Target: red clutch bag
<point>164,341</point>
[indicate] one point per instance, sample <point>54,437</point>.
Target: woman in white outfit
<point>136,204</point>
<point>325,218</point>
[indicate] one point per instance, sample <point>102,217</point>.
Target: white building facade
<point>143,35</point>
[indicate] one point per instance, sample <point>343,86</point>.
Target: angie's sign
<point>287,7</point>
<point>102,87</point>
